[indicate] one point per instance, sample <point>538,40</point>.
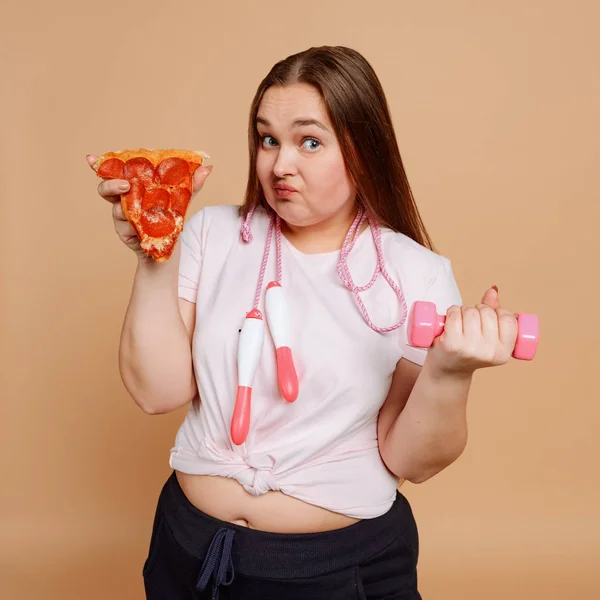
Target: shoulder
<point>225,216</point>
<point>417,263</point>
<point>219,226</point>
<point>213,222</point>
<point>220,214</point>
<point>423,275</point>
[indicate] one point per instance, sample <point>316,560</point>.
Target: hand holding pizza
<point>150,191</point>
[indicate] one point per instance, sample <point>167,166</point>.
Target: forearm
<point>155,357</point>
<point>431,431</point>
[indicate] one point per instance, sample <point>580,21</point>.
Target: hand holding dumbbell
<point>425,324</point>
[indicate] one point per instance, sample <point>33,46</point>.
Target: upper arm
<point>192,242</point>
<point>403,381</point>
<point>439,287</point>
<point>188,314</point>
<point>442,290</point>
<point>190,266</point>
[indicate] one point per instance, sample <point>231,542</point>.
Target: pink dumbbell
<point>424,325</point>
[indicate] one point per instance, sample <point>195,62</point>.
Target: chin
<point>296,218</point>
<point>291,212</point>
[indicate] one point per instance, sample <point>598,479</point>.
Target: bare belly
<point>225,499</point>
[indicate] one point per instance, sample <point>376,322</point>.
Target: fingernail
<point>123,187</point>
<point>495,287</point>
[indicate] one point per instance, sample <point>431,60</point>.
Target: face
<point>299,161</point>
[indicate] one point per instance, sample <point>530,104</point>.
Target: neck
<point>325,236</point>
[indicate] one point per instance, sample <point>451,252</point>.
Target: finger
<point>117,211</point>
<point>91,159</point>
<point>507,328</point>
<point>453,325</point>
<point>491,298</point>
<point>200,176</point>
<point>489,322</point>
<point>111,189</point>
<point>471,321</point>
<point>126,230</point>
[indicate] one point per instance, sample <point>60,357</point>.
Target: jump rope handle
<point>249,353</point>
<point>278,318</point>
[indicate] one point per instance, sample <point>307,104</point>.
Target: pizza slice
<point>161,183</point>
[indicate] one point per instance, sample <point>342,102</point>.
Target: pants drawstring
<point>218,562</point>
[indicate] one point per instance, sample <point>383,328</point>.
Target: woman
<point>307,506</point>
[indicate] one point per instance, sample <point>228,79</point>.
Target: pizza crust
<point>155,156</point>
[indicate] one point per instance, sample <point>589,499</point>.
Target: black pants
<point>193,556</point>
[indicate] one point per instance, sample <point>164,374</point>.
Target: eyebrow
<point>305,122</point>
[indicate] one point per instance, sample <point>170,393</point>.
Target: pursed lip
<point>284,186</point>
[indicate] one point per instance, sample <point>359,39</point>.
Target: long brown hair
<point>359,113</point>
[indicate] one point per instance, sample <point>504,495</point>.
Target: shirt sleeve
<point>190,266</point>
<point>443,292</point>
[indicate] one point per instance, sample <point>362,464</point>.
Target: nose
<point>285,163</point>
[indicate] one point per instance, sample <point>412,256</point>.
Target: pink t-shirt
<point>322,448</point>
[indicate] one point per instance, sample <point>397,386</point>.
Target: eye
<point>311,144</point>
<point>268,141</point>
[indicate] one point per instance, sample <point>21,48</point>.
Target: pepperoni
<point>157,223</point>
<point>140,168</point>
<point>134,198</point>
<point>156,197</point>
<point>187,182</point>
<point>172,171</point>
<point>112,169</point>
<point>180,198</point>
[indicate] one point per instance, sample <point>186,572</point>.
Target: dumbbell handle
<point>425,324</point>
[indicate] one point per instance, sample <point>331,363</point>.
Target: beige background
<point>496,106</point>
